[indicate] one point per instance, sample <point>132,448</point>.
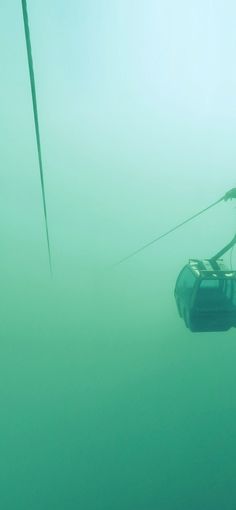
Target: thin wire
<point>166,233</point>
<point>36,121</point>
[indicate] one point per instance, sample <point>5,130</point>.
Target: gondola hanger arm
<point>224,250</point>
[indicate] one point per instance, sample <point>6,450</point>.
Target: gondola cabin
<point>205,295</point>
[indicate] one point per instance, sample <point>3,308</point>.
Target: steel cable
<point>167,233</point>
<point>36,122</point>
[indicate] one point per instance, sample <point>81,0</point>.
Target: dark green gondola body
<point>205,295</point>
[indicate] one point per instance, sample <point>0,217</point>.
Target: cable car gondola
<point>205,294</point>
<point>205,290</point>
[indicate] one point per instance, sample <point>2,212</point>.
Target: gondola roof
<point>208,268</point>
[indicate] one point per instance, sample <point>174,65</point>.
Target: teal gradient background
<point>107,401</point>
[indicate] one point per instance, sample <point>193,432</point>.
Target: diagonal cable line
<point>36,121</point>
<point>167,233</point>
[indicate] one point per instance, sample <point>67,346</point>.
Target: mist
<point>108,401</point>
